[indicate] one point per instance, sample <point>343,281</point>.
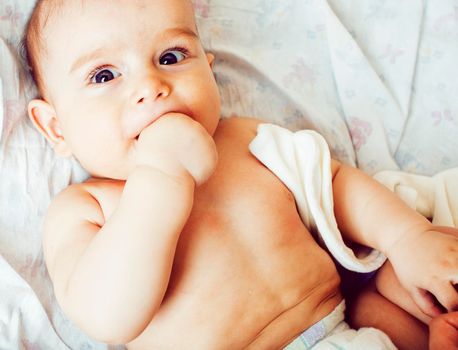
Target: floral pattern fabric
<point>375,78</point>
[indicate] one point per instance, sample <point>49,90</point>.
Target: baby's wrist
<point>170,172</point>
<point>403,240</point>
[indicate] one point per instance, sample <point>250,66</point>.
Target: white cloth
<point>338,67</point>
<point>332,332</point>
<point>1,108</point>
<point>23,321</point>
<point>375,78</point>
<point>435,197</point>
<point>302,161</point>
<point>345,338</point>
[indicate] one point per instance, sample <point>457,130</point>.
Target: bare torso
<point>247,273</point>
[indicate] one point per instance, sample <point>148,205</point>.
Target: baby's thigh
<point>444,332</point>
<point>371,309</point>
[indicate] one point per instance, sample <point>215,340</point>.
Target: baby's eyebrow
<point>82,60</point>
<point>87,58</point>
<point>180,31</point>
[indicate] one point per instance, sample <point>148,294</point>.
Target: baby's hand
<point>175,144</point>
<point>426,264</point>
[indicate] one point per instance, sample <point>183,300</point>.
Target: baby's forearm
<point>119,282</point>
<point>368,213</point>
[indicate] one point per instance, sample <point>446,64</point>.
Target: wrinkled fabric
<point>435,197</point>
<point>375,78</point>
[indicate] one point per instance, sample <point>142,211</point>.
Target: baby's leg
<point>371,309</point>
<point>444,332</point>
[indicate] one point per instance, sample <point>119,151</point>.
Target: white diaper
<point>332,332</point>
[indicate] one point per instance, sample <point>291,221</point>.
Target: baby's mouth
<point>153,120</point>
<point>138,136</point>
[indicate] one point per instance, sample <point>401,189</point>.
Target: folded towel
<point>302,161</point>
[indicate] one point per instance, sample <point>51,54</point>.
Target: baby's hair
<point>33,45</point>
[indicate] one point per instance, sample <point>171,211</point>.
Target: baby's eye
<point>172,57</point>
<point>104,75</point>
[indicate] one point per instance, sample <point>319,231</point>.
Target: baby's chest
<point>246,204</point>
<point>245,234</point>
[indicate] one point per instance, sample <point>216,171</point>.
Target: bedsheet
<point>374,78</point>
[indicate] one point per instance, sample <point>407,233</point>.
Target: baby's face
<point>112,67</point>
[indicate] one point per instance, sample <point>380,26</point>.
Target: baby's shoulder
<point>238,127</point>
<point>235,121</point>
<point>74,203</point>
<point>85,201</point>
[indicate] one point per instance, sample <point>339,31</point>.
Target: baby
<point>444,332</point>
<point>182,238</point>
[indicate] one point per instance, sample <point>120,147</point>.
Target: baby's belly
<point>255,286</point>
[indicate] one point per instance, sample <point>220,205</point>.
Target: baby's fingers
<point>426,302</point>
<point>446,295</point>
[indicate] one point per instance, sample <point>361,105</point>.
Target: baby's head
<point>107,68</point>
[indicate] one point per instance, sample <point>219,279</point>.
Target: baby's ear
<point>43,117</point>
<point>210,59</point>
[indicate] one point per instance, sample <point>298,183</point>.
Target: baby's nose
<point>150,89</point>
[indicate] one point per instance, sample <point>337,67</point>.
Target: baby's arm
<point>111,279</point>
<point>424,257</point>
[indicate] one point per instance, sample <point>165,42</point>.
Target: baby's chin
<point>103,164</point>
<point>115,177</point>
<point>120,173</point>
